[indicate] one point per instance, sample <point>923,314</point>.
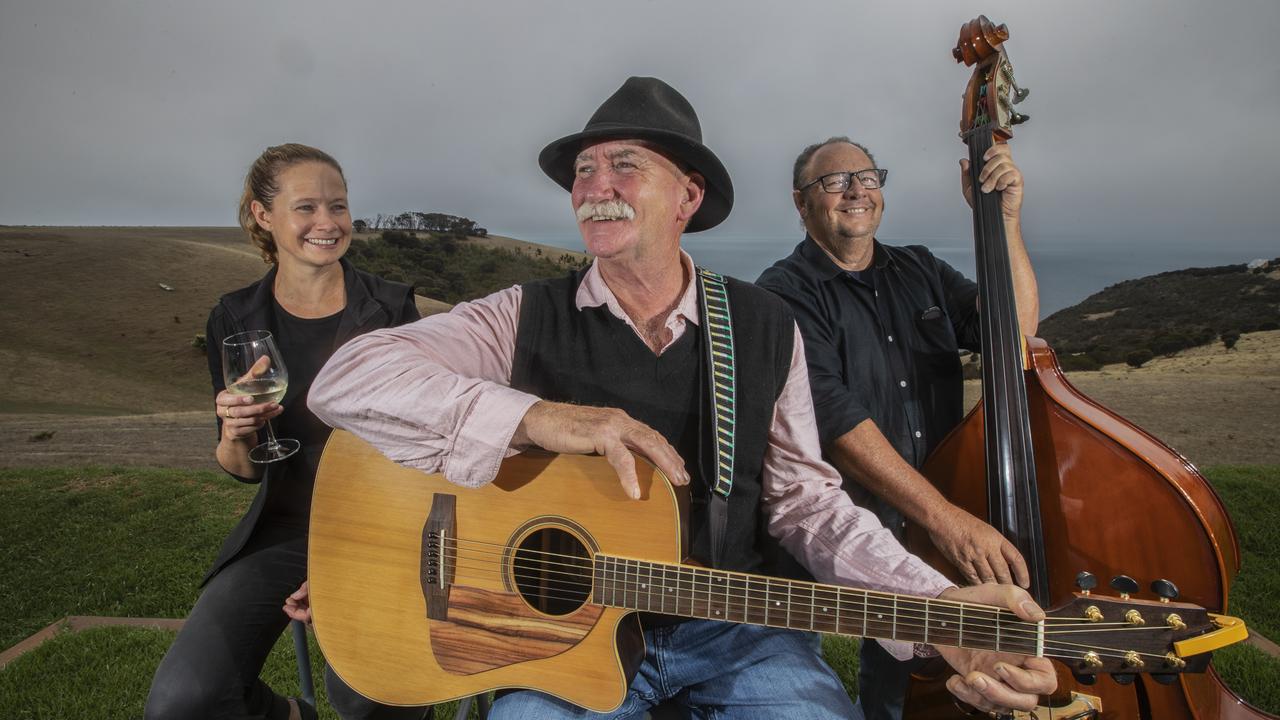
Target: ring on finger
<point>226,412</point>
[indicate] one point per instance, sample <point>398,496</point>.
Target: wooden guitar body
<point>423,591</point>
<point>369,604</point>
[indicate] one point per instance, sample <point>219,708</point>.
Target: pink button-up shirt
<point>434,395</point>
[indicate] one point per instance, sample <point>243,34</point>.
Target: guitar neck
<point>708,594</point>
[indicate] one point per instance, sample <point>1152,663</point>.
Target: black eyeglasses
<point>838,182</point>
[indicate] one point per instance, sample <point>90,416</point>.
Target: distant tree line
<point>441,223</point>
<point>445,267</point>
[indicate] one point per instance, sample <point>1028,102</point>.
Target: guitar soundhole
<point>552,571</point>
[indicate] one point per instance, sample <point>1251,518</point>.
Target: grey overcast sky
<point>1152,132</point>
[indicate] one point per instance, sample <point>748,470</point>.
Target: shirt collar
<point>821,264</point>
<point>594,292</point>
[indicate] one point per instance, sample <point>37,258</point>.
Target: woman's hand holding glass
<point>256,376</point>
<point>242,418</point>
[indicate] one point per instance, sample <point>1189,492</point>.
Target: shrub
<point>1230,338</point>
<point>1138,358</point>
<point>1167,344</point>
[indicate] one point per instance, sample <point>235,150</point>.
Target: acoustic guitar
<point>424,591</point>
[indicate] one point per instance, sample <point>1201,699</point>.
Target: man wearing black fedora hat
<point>624,356</point>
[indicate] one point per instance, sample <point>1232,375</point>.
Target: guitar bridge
<point>439,555</point>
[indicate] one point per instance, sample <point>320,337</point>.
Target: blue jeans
<point>717,670</point>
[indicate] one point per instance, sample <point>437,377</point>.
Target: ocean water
<point>1068,270</point>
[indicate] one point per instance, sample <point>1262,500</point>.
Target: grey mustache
<point>608,209</point>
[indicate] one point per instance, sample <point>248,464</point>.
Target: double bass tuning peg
<point>1124,585</point>
<point>1165,589</point>
<point>1086,581</point>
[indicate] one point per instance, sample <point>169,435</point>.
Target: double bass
<point>1082,493</point>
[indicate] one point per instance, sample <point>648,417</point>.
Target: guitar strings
<point>1063,650</point>
<point>697,585</point>
<point>584,566</point>
<point>1005,630</point>
<point>1052,649</point>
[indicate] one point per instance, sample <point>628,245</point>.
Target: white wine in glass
<point>252,366</point>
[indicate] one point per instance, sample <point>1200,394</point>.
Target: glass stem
<point>272,443</point>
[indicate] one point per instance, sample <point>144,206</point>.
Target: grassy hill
<point>89,327</point>
<point>1167,312</point>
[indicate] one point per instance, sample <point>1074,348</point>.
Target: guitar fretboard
<point>694,592</point>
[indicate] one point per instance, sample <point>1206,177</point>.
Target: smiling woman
<point>294,209</point>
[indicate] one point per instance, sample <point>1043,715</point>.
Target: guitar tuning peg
<point>1018,118</point>
<point>1086,581</point>
<point>1165,589</point>
<point>1084,679</point>
<point>1123,678</point>
<point>1020,94</point>
<point>1124,585</point>
<point>1164,678</point>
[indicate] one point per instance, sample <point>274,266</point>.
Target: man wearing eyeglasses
<point>882,327</point>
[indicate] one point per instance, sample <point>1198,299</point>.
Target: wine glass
<point>251,365</point>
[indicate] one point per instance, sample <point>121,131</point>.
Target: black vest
<point>590,357</point>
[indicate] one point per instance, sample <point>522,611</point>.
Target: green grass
<point>106,672</point>
<point>135,543</point>
<point>122,542</point>
<point>1252,495</point>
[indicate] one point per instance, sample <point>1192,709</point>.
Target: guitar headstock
<point>992,91</point>
<point>1095,634</point>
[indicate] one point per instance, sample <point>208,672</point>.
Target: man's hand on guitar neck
<point>582,430</point>
<point>991,681</point>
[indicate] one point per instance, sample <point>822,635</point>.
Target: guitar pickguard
<point>488,630</point>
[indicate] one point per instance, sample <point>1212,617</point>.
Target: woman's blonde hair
<point>262,184</point>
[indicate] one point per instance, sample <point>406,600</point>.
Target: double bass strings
<point>1006,629</point>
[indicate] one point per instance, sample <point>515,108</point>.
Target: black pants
<point>211,670</point>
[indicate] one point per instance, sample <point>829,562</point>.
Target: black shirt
<point>882,344</point>
<point>307,344</point>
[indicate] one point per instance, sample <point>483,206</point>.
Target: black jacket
<point>372,303</point>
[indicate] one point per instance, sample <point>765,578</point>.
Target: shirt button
<point>917,433</point>
<point>890,338</point>
<point>902,383</point>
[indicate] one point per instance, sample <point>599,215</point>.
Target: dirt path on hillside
<point>178,440</point>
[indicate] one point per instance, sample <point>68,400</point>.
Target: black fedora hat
<point>646,108</point>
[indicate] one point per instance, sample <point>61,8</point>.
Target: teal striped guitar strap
<point>717,324</point>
